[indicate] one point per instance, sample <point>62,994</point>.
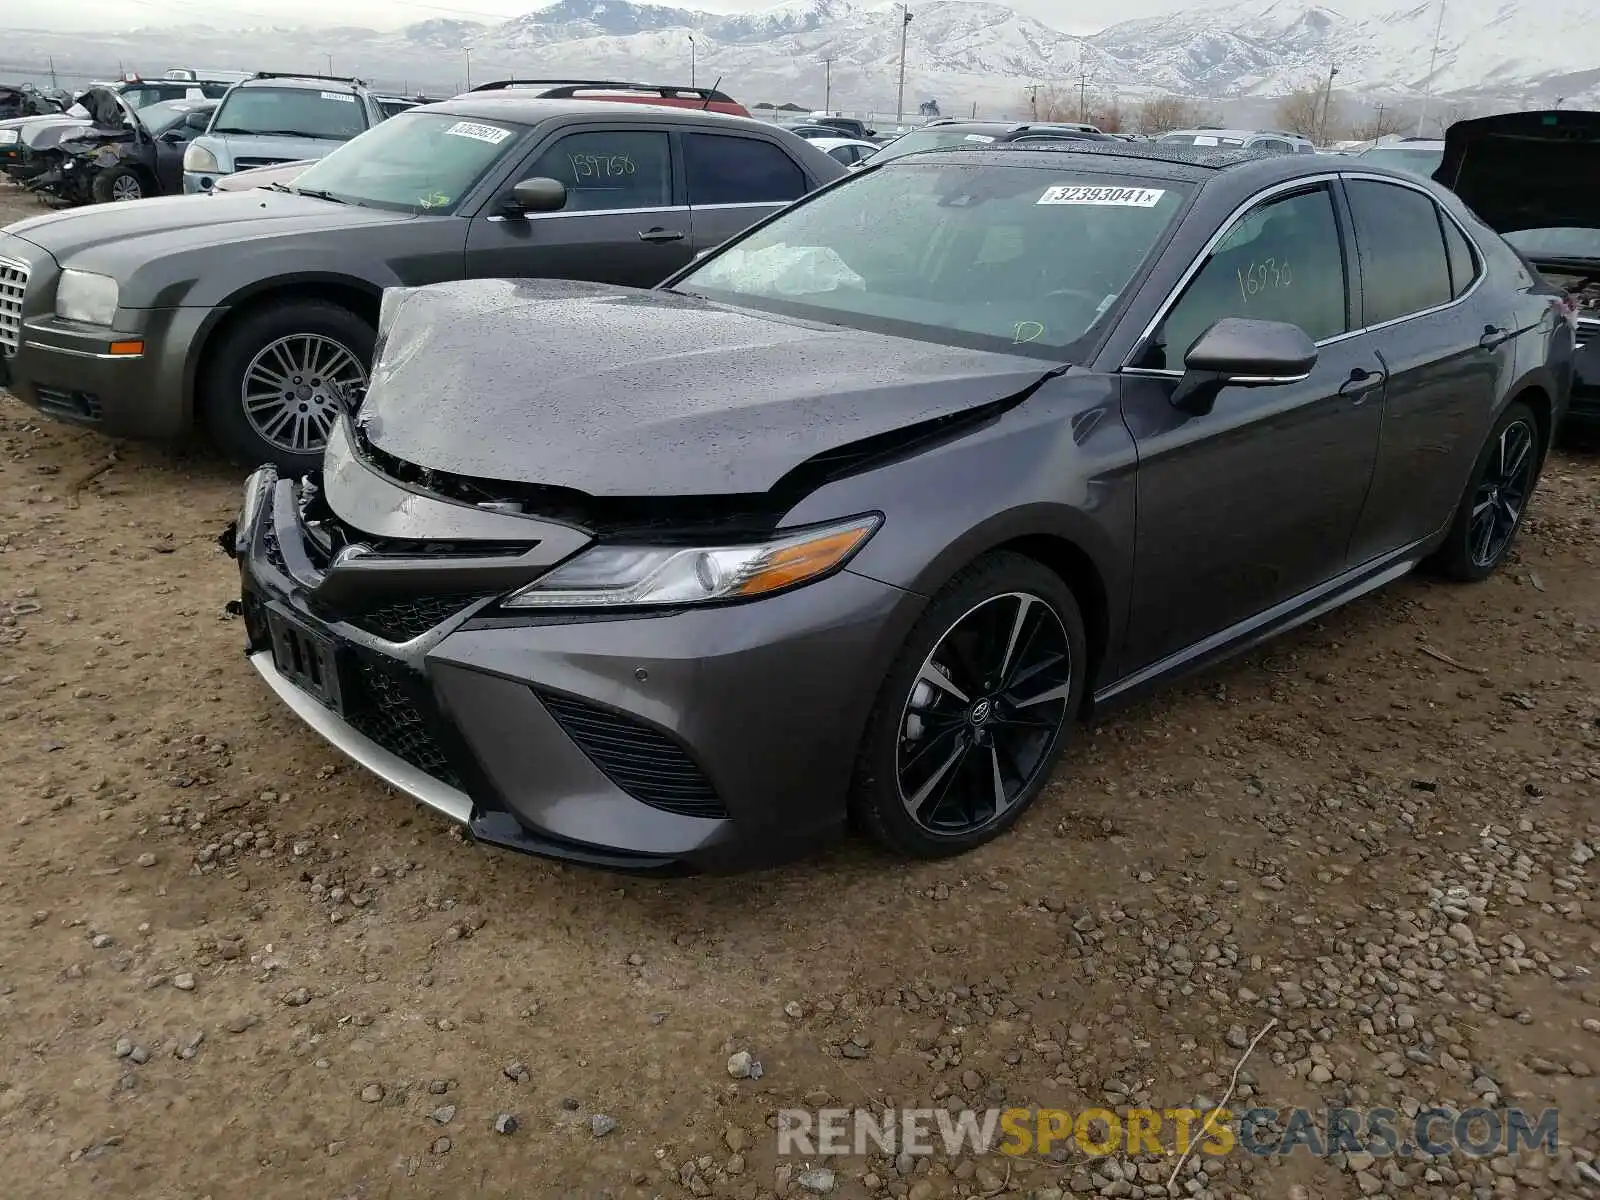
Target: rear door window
<point>605,169</point>
<point>739,170</point>
<point>1282,261</point>
<point>1463,263</point>
<point>1404,267</point>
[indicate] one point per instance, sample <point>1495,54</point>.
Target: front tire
<point>1496,499</point>
<point>973,713</point>
<point>280,379</point>
<point>120,183</point>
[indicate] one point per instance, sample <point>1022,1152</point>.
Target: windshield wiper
<point>316,194</point>
<point>298,133</point>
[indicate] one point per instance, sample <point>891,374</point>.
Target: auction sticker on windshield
<point>492,134</point>
<point>1122,197</point>
<point>345,96</point>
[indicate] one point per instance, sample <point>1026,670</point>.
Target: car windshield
<point>932,139</point>
<point>1201,139</point>
<point>1561,242</point>
<point>1016,259</point>
<point>159,118</point>
<point>291,112</point>
<point>1404,158</point>
<point>414,162</point>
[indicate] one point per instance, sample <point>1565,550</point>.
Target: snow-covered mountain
<point>964,52</point>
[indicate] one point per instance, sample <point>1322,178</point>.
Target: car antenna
<point>711,94</point>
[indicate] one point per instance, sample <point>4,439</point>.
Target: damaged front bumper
<point>714,739</point>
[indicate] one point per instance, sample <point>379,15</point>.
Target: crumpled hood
<point>625,393</point>
<point>117,237</point>
<point>1526,170</point>
<point>46,133</point>
<point>229,148</point>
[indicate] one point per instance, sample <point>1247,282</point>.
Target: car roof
<point>1195,164</point>
<point>833,143</point>
<point>530,110</point>
<point>310,83</point>
<point>1236,133</point>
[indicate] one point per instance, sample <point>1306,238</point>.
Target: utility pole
<point>1433,62</point>
<point>827,85</point>
<point>469,69</point>
<point>1033,100</point>
<point>1083,95</point>
<point>329,57</point>
<point>691,60</point>
<point>1327,99</point>
<point>54,85</point>
<point>900,99</point>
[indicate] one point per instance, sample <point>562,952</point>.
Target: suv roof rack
<point>567,89</point>
<point>350,79</point>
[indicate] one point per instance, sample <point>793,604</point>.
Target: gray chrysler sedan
<point>253,313</point>
<point>855,519</point>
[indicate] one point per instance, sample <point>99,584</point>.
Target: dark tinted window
<point>1403,264</point>
<point>844,154</point>
<point>1463,267</point>
<point>1281,262</point>
<point>610,170</point>
<point>736,170</point>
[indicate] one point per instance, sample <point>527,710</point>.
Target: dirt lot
<point>233,965</point>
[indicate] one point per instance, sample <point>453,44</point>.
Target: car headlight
<point>198,158</point>
<point>8,137</point>
<point>634,576</point>
<point>84,296</point>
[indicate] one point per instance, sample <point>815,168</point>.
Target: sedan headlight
<point>198,158</point>
<point>8,137</point>
<point>84,296</point>
<point>634,576</point>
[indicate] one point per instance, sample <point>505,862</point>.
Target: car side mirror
<point>197,120</point>
<point>1235,352</point>
<point>538,195</point>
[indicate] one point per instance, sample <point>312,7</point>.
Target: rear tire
<point>1496,499</point>
<point>277,382</point>
<point>974,712</point>
<point>120,183</point>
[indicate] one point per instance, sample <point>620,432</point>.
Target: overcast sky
<point>385,14</point>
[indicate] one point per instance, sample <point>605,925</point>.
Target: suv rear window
<point>291,112</point>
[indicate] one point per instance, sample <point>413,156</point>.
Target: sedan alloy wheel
<point>296,388</point>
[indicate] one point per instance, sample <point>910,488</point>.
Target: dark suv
<point>255,311</point>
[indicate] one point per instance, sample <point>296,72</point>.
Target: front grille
<point>642,761</point>
<point>71,406</point>
<point>403,620</point>
<point>1586,330</point>
<point>249,164</point>
<point>394,707</point>
<point>13,285</point>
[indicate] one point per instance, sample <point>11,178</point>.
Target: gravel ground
<point>231,964</point>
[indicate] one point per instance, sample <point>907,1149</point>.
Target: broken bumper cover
<point>1584,407</point>
<point>719,739</point>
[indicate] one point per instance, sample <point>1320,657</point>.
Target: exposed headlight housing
<point>656,576</point>
<point>8,137</point>
<point>197,158</point>
<point>87,297</point>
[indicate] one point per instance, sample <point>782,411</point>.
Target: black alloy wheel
<point>973,712</point>
<point>1496,498</point>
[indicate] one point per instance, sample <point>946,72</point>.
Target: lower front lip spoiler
<point>388,767</point>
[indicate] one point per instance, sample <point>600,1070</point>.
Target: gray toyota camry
<point>854,520</point>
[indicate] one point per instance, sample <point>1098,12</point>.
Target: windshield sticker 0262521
<point>1121,197</point>
<point>492,134</point>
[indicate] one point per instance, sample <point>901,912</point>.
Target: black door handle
<point>661,235</point>
<point>1494,336</point>
<point>1361,381</point>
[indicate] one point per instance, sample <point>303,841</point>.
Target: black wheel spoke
<point>985,711</point>
<point>1501,496</point>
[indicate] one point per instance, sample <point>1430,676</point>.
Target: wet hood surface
<point>617,392</point>
<point>165,224</point>
<point>1526,170</point>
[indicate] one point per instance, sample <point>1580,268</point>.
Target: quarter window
<point>737,170</point>
<point>1463,266</point>
<point>604,169</point>
<point>1281,261</point>
<point>1404,268</point>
